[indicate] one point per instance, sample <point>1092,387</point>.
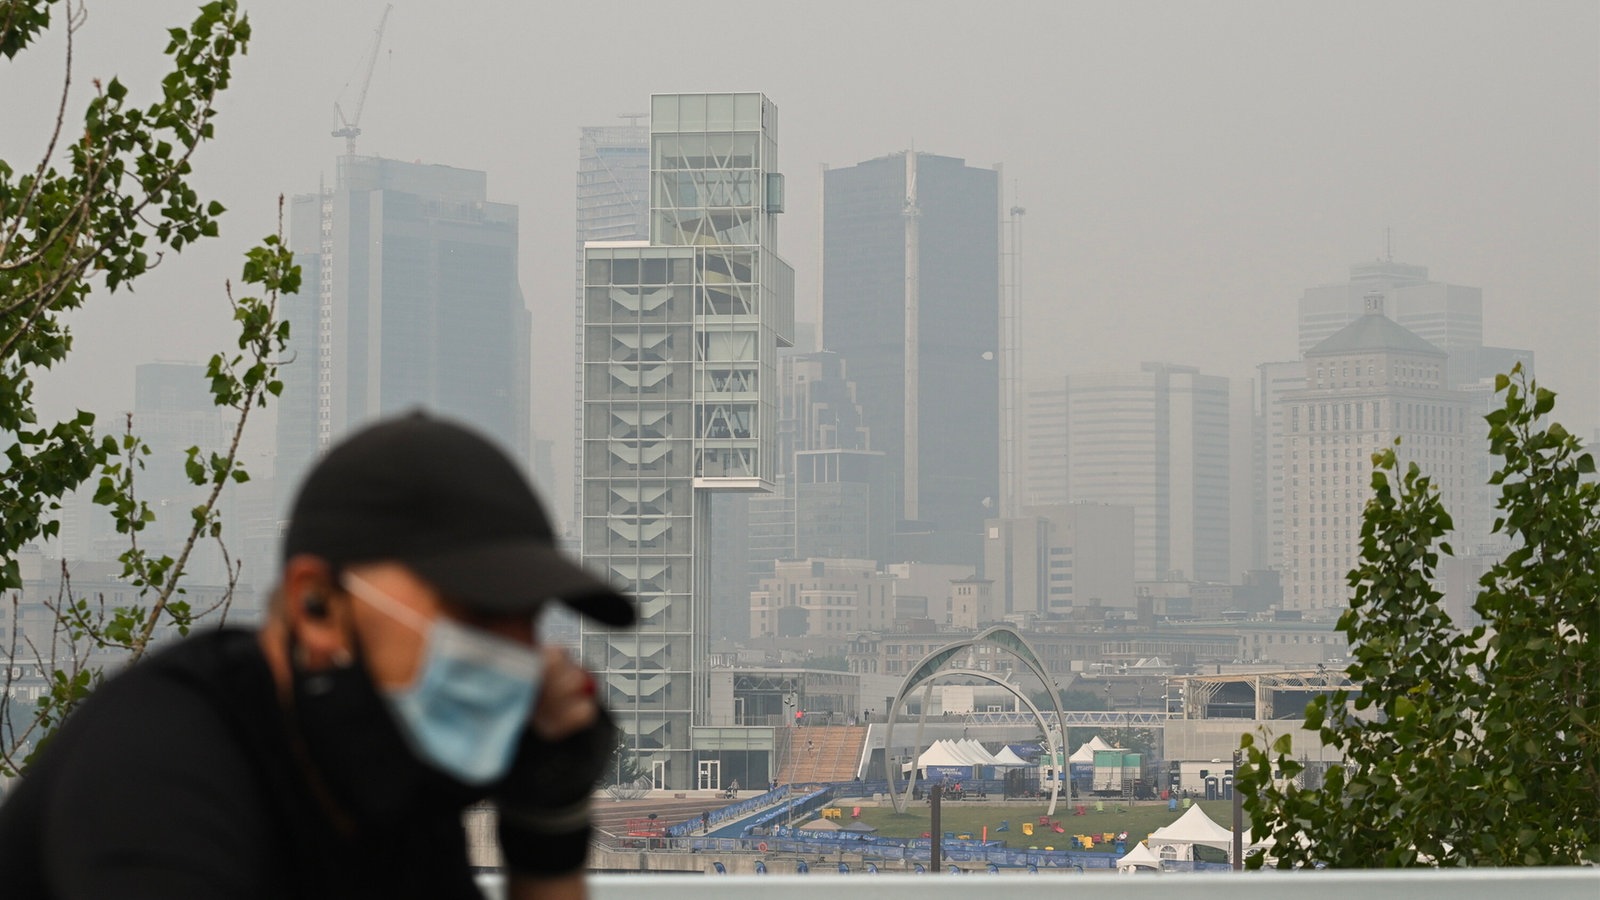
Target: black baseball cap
<point>441,499</point>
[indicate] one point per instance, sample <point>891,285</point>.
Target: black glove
<point>544,820</point>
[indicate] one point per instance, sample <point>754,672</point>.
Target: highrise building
<point>410,300</point>
<point>1270,427</point>
<point>911,303</point>
<point>833,497</point>
<point>613,205</point>
<point>842,488</point>
<point>680,338</point>
<point>1448,316</point>
<point>1369,383</point>
<point>613,184</point>
<point>1052,559</point>
<point>1043,471</point>
<point>1156,440</point>
<point>173,411</point>
<point>841,504</point>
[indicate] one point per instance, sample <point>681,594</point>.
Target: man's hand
<point>567,703</point>
<point>544,801</point>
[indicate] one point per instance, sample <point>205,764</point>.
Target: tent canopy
<point>942,753</point>
<point>974,751</point>
<point>1140,857</point>
<point>1194,828</point>
<point>955,753</point>
<point>1006,757</point>
<point>1085,754</point>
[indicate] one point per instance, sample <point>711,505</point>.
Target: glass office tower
<point>911,303</point>
<point>409,299</point>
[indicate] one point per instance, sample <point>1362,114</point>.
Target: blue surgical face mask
<point>471,699</point>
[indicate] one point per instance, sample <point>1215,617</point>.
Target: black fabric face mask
<point>356,748</point>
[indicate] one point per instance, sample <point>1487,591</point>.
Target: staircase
<point>825,753</point>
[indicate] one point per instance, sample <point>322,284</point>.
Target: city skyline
<point>1186,177</point>
<point>1090,325</point>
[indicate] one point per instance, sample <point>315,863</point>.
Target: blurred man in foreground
<point>397,679</point>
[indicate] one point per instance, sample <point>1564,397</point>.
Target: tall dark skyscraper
<point>911,302</point>
<point>410,299</point>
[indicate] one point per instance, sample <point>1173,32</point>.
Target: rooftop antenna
<point>1010,347</point>
<point>350,128</point>
<point>633,118</point>
<point>1388,244</point>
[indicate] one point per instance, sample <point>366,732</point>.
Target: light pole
<point>1238,814</point>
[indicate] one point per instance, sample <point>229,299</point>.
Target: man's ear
<point>312,613</point>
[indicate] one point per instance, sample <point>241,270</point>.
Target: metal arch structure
<point>985,676</point>
<point>930,667</point>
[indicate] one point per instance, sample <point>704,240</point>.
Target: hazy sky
<point>1188,169</point>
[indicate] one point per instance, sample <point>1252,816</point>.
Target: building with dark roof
<point>1448,316</point>
<point>1367,385</point>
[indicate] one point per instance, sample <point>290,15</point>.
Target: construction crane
<point>351,127</point>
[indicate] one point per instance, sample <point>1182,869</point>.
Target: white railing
<point>1410,884</point>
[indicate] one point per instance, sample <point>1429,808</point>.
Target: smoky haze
<point>1188,170</point>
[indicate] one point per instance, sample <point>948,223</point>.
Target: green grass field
<point>971,817</point>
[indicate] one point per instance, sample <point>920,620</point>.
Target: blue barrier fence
<point>993,787</point>
<point>766,833</point>
<point>795,806</point>
<point>895,850</point>
<point>728,813</point>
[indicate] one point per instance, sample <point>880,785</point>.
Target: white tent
<point>1008,758</point>
<point>942,753</point>
<point>975,752</point>
<point>1085,754</point>
<point>1138,858</point>
<point>955,753</point>
<point>1178,840</point>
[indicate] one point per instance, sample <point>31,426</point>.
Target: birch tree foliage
<point>1463,746</point>
<point>107,199</point>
